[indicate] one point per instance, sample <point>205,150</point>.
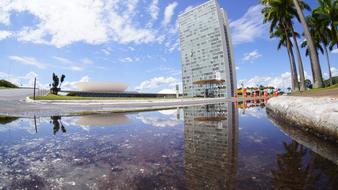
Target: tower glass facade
<point>208,68</point>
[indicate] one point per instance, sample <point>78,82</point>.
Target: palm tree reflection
<point>292,170</point>
<point>57,123</point>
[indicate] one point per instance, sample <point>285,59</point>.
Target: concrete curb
<point>28,99</point>
<point>317,114</point>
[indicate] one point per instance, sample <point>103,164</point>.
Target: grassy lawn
<point>55,97</point>
<point>327,91</point>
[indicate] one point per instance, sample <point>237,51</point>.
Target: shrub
<point>71,94</point>
<point>4,83</point>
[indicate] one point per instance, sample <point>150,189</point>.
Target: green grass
<point>55,97</point>
<point>6,84</point>
<point>316,90</point>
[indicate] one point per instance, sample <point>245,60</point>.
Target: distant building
<point>208,68</point>
<point>113,89</point>
<point>103,87</point>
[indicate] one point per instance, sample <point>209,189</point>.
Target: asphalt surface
<point>13,103</point>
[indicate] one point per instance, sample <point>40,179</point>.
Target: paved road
<point>12,102</point>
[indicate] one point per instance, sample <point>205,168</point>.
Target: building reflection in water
<point>103,119</point>
<point>211,143</point>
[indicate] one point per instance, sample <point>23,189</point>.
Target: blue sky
<point>131,41</point>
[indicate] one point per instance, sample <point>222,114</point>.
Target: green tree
<point>285,41</point>
<point>321,38</point>
<point>316,70</point>
<point>56,84</point>
<point>324,22</point>
<point>308,84</point>
<point>327,14</point>
<point>280,14</point>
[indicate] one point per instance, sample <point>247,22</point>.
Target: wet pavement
<point>218,146</point>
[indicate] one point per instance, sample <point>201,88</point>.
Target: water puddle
<point>219,146</point>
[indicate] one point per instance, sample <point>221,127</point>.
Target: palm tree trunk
<point>292,83</point>
<point>300,63</point>
<point>328,64</point>
<point>317,77</point>
<point>334,34</point>
<point>294,77</point>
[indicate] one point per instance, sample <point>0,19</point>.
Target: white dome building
<point>102,87</point>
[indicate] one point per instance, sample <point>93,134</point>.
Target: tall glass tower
<point>208,68</point>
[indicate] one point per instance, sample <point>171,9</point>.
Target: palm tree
<point>56,85</point>
<point>324,20</point>
<point>321,37</point>
<point>280,13</point>
<point>285,41</point>
<point>295,35</point>
<point>327,14</point>
<point>317,74</point>
<point>62,79</point>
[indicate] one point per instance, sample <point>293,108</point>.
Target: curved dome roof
<point>102,86</point>
<point>103,120</point>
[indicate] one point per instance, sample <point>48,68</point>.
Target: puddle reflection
<point>211,143</point>
<point>219,146</point>
<point>103,120</point>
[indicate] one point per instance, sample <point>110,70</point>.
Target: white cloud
<point>159,120</point>
<point>157,82</point>
<point>282,81</point>
<point>334,71</point>
<point>129,59</point>
<point>86,61</point>
<point>167,91</point>
<point>63,60</point>
<point>4,34</point>
<point>4,15</point>
<point>71,85</point>
<point>174,46</point>
<point>24,80</point>
<point>105,51</point>
<point>188,8</point>
<point>335,51</point>
<point>255,112</point>
<point>249,26</point>
<point>126,59</point>
<point>28,61</point>
<point>250,57</point>
<point>64,22</point>
<point>167,70</point>
<point>154,9</point>
<point>168,13</point>
<point>131,48</point>
<point>73,65</point>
